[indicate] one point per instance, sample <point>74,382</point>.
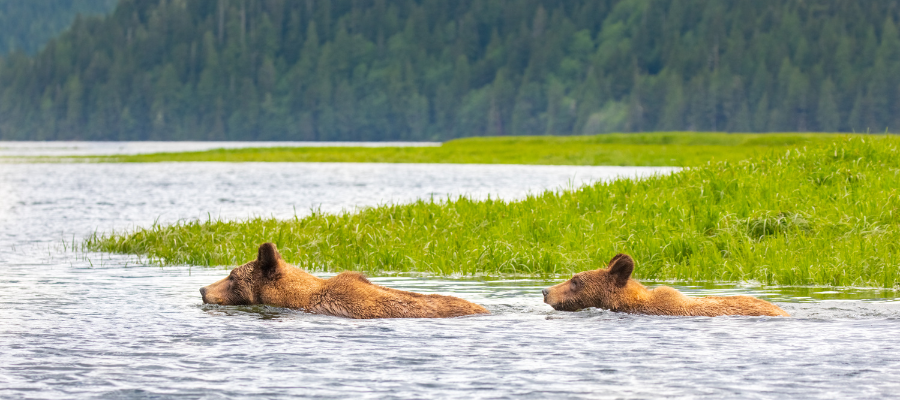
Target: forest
<point>441,69</point>
<point>27,25</point>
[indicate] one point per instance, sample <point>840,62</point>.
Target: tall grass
<point>647,149</point>
<point>823,214</point>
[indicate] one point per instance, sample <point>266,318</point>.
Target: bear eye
<point>576,283</point>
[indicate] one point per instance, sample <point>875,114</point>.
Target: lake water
<point>92,325</point>
<point>78,148</point>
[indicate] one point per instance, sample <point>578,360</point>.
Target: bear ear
<point>620,267</point>
<point>614,259</point>
<point>267,258</point>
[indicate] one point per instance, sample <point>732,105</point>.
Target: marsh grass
<point>822,214</point>
<point>645,149</point>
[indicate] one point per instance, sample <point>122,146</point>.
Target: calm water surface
<point>91,325</point>
<point>77,148</point>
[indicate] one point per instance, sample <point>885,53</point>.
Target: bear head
<point>602,288</point>
<point>243,284</point>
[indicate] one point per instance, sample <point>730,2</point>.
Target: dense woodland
<point>27,24</point>
<point>440,69</point>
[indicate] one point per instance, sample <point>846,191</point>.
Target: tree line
<point>26,25</point>
<point>440,69</point>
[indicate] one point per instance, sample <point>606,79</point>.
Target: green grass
<point>823,213</point>
<point>649,149</point>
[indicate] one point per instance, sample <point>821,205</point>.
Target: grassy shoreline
<point>818,214</point>
<point>647,149</point>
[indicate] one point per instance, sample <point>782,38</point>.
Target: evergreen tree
<point>27,25</point>
<point>827,112</point>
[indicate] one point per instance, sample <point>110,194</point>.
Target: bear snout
<point>552,297</point>
<point>206,300</point>
<point>549,298</point>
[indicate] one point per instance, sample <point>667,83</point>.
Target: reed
<point>824,213</point>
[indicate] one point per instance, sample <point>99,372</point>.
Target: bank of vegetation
<point>443,69</point>
<point>816,214</point>
<point>645,149</point>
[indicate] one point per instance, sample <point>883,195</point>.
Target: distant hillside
<point>439,69</point>
<point>27,24</point>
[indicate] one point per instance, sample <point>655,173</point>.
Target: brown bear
<point>613,289</point>
<point>270,280</point>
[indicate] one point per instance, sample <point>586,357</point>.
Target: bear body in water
<point>613,289</point>
<point>269,280</point>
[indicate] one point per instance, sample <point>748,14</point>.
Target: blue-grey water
<point>92,325</point>
<point>79,148</point>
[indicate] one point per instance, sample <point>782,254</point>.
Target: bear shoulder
<point>350,294</point>
<point>349,277</point>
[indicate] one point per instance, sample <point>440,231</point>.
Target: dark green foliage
<point>441,69</point>
<point>26,25</point>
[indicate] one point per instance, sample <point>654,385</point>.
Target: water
<point>77,148</point>
<point>76,325</point>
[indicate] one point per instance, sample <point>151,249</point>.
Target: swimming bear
<point>270,280</point>
<point>613,289</point>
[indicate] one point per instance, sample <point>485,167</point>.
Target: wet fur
<point>613,289</point>
<point>269,280</point>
